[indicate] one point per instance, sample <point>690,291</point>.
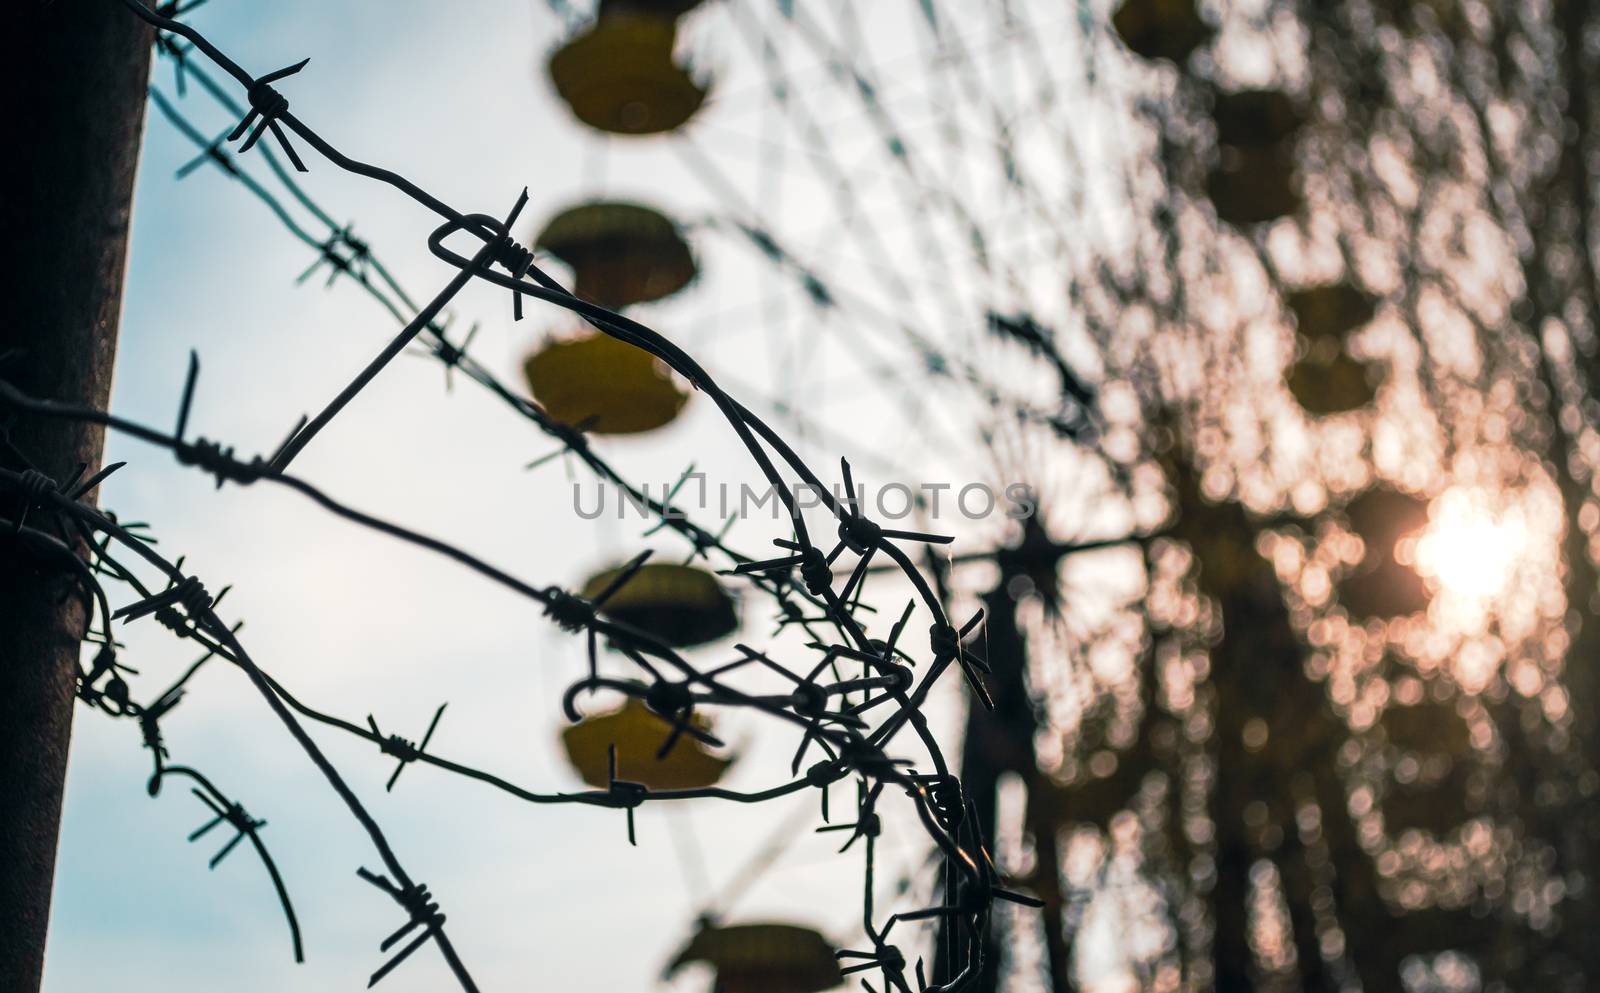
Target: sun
<point>1468,550</point>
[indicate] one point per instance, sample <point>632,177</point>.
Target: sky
<point>455,96</point>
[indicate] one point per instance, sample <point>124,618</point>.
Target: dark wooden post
<point>75,115</point>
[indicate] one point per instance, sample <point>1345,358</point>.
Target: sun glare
<point>1467,550</point>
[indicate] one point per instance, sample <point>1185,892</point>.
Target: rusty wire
<point>800,578</point>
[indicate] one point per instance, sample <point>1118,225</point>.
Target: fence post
<point>79,73</point>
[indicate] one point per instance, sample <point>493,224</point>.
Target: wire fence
<point>851,696</point>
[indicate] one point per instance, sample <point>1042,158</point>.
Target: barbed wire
<point>347,256</point>
<point>828,708</point>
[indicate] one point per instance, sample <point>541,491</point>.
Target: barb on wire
<point>267,105</point>
<point>245,827</point>
<point>403,751</point>
<point>423,912</point>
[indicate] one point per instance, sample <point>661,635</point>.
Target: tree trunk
<point>78,85</point>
